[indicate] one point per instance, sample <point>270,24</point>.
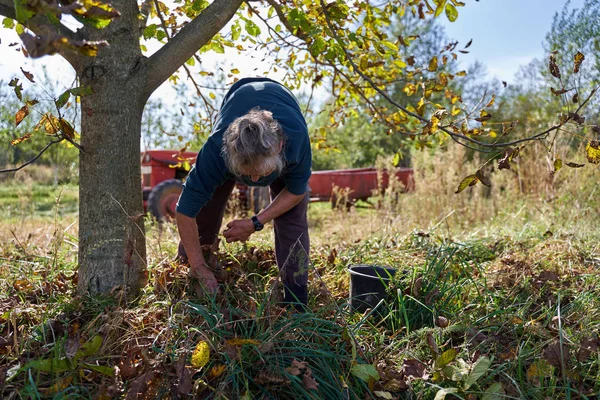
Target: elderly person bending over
<point>260,139</point>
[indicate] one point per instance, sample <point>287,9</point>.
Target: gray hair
<point>252,143</point>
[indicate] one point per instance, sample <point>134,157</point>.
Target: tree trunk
<point>112,249</point>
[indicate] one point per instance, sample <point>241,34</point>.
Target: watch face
<point>257,225</point>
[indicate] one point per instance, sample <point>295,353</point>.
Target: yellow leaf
<point>557,164</point>
<point>492,100</point>
<point>579,57</point>
<point>461,73</point>
<point>212,95</point>
<point>21,139</point>
<point>470,180</point>
<point>539,370</point>
<point>455,111</point>
<point>593,151</point>
<point>410,89</point>
<point>235,71</point>
<point>433,64</point>
<point>201,355</point>
<point>421,107</point>
<point>216,371</point>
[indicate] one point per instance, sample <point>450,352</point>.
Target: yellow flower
<point>201,355</point>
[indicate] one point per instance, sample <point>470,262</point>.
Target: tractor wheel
<point>163,199</point>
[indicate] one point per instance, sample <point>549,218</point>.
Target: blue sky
<point>505,33</point>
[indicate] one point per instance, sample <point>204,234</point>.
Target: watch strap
<point>257,224</point>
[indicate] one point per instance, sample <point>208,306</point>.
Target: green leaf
<point>252,28</point>
<point>52,365</point>
<point>63,98</point>
<point>494,392</point>
<point>440,7</point>
<point>236,31</point>
<point>481,366</point>
<point>160,35</point>
<point>102,369</point>
<point>8,23</point>
<point>23,14</point>
<point>396,159</point>
<point>317,47</point>
<point>95,14</point>
<point>365,372</point>
<point>150,31</point>
<point>20,29</point>
<point>451,12</point>
<point>90,348</point>
<point>191,62</point>
<point>270,12</point>
<point>81,91</point>
<point>470,180</point>
<point>446,358</point>
<point>217,47</point>
<point>441,394</point>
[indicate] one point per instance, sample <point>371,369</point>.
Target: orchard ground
<point>499,297</point>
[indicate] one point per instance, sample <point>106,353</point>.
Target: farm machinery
<point>163,172</point>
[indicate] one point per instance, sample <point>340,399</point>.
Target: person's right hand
<point>205,278</point>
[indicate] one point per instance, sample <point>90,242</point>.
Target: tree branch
<point>7,8</point>
<point>455,136</point>
<point>41,25</point>
<point>32,160</point>
<point>188,41</point>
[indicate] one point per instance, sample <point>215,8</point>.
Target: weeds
<point>495,297</point>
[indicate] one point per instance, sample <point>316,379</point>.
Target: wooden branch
<point>41,25</point>
<point>7,8</point>
<point>188,41</point>
<point>32,160</point>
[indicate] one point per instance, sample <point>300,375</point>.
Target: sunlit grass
<point>504,294</point>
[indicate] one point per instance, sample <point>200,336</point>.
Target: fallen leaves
<point>300,368</point>
<point>201,354</point>
<point>557,355</point>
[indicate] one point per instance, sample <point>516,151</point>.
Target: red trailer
<point>355,183</point>
<point>163,172</point>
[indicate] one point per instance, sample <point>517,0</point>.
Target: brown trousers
<point>292,243</point>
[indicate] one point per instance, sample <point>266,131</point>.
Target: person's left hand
<point>239,230</point>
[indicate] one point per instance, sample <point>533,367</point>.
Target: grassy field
<point>495,299</point>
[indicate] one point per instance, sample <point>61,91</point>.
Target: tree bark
<point>112,247</point>
<point>112,250</point>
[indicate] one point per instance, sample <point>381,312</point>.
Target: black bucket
<point>368,284</point>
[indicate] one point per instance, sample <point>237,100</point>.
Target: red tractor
<point>163,172</point>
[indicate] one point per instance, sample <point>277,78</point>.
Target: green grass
<point>510,310</point>
<point>19,201</point>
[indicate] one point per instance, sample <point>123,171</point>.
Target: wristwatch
<point>257,224</point>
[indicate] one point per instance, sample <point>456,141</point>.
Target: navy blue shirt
<point>210,170</point>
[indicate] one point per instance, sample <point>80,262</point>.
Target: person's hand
<point>239,230</point>
<point>205,281</point>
